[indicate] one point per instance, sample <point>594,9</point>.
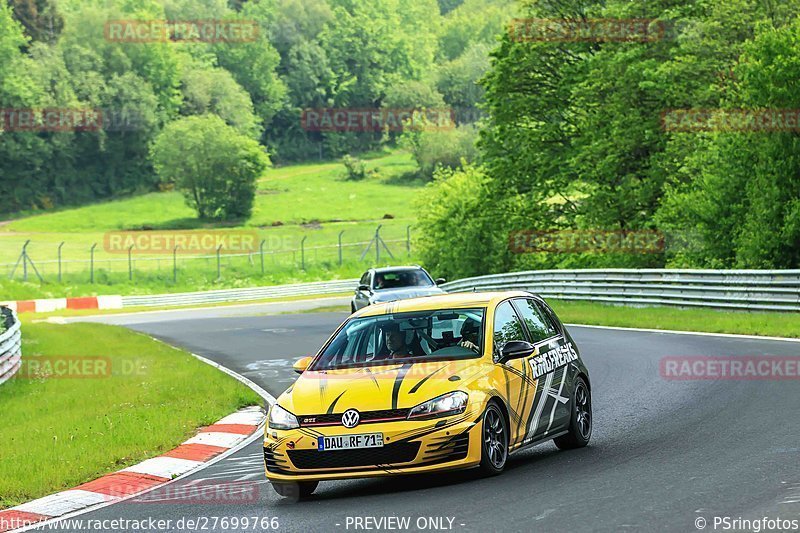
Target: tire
<point>494,441</point>
<point>295,491</point>
<point>353,308</point>
<point>580,424</point>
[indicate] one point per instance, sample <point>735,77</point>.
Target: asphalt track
<point>663,455</point>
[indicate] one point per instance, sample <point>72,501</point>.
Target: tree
<point>214,166</point>
<point>254,64</point>
<point>214,90</point>
<point>435,149</point>
<point>40,18</point>
<point>741,191</point>
<point>453,209</point>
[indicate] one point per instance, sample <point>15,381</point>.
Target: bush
<point>460,234</point>
<point>356,168</point>
<point>435,149</point>
<point>214,166</point>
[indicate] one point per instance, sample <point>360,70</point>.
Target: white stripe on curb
<point>248,416</point>
<point>109,302</point>
<point>64,505</point>
<point>62,502</point>
<point>223,440</point>
<point>167,467</point>
<point>48,306</point>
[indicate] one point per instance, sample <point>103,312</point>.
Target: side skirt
<point>537,442</point>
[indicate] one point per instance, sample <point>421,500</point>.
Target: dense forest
<point>576,132</point>
<point>317,54</point>
<point>581,136</point>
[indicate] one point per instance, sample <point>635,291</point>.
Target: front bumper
<point>409,447</point>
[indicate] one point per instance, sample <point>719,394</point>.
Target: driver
<point>396,342</point>
<point>470,335</point>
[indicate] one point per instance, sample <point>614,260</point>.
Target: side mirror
<point>516,350</point>
<point>364,288</point>
<point>440,281</point>
<point>301,365</point>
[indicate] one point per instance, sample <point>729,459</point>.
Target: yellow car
<point>427,384</point>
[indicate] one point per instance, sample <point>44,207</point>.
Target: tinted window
<point>364,279</point>
<point>414,336</point>
<point>507,326</point>
<point>401,278</point>
<point>539,325</point>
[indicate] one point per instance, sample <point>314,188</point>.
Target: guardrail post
<point>303,252</point>
<point>91,263</point>
<point>261,249</point>
<point>130,262</point>
<point>59,260</point>
<point>340,247</point>
<point>219,263</point>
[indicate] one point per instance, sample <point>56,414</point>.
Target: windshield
<point>405,337</point>
<point>401,278</point>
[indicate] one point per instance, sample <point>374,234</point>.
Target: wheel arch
<point>501,404</point>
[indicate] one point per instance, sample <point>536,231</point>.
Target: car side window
<point>507,327</point>
<point>539,325</point>
<point>364,279</point>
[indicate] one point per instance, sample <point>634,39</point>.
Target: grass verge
<point>142,398</point>
<point>700,320</point>
<point>301,212</point>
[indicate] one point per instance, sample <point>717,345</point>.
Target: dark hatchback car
<point>388,284</point>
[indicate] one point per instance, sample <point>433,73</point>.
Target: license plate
<point>350,442</point>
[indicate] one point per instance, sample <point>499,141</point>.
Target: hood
<point>398,386</point>
<point>389,295</point>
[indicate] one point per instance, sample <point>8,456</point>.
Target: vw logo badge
<point>350,418</point>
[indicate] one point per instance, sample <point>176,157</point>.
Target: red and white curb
<point>212,444</point>
<point>59,304</point>
<point>226,435</point>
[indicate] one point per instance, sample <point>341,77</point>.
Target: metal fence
<point>92,262</point>
<point>10,344</point>
<point>763,290</point>
<point>241,295</point>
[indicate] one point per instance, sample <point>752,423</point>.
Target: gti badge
<point>350,418</point>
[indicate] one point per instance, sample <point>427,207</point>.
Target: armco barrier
<point>10,345</point>
<point>763,290</point>
<point>241,295</point>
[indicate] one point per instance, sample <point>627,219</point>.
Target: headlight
<point>452,403</point>
<point>280,418</point>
